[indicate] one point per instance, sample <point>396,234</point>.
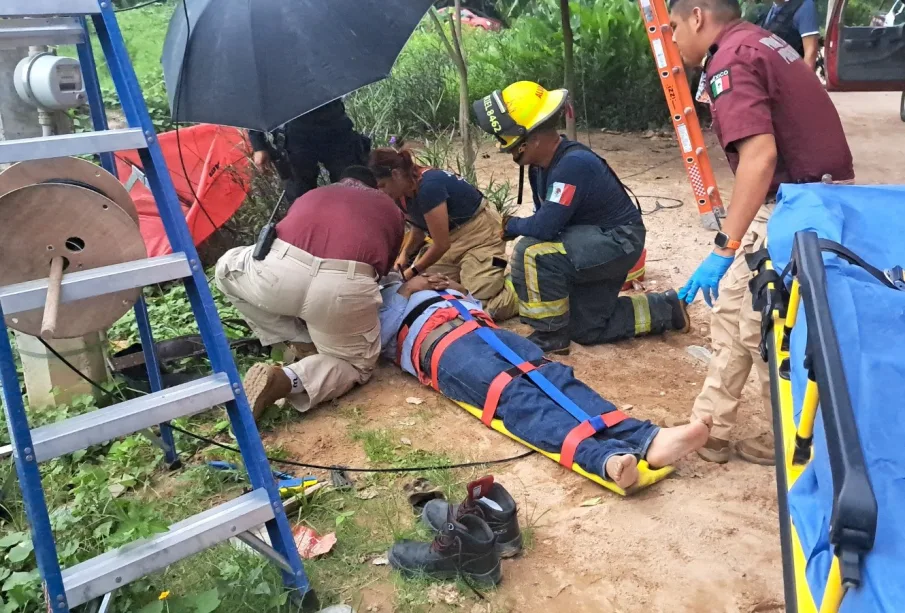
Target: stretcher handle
<point>853,524</point>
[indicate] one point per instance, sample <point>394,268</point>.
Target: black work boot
<point>681,322</point>
<point>556,342</point>
<point>463,547</point>
<point>491,502</point>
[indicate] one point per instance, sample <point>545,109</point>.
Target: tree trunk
<point>569,57</point>
<point>458,29</point>
<point>456,54</point>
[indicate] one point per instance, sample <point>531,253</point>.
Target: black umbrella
<point>259,63</point>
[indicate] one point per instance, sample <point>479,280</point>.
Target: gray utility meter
<point>50,82</point>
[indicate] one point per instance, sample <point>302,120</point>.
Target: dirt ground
<point>704,540</point>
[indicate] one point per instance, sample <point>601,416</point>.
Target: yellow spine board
<point>648,477</point>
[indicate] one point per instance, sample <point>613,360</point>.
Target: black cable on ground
<point>659,206</point>
<point>360,470</point>
<point>641,172</point>
<point>211,441</point>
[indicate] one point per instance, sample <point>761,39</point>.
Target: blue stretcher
<point>834,333</point>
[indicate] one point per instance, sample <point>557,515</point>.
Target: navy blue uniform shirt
<point>578,191</point>
<point>438,186</point>
<point>805,19</point>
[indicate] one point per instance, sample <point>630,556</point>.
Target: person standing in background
<point>325,135</point>
<point>796,22</point>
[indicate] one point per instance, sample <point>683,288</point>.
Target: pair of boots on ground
<point>558,342</point>
<point>471,537</point>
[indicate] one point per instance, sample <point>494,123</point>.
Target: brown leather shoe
<point>715,450</point>
<point>757,450</point>
<point>264,385</point>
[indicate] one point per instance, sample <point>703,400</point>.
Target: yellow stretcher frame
<point>793,442</point>
<point>648,476</point>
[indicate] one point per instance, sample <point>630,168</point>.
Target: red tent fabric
<point>216,160</point>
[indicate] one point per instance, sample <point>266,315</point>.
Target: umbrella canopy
<point>259,63</point>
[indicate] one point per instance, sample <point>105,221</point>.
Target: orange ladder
<point>681,107</point>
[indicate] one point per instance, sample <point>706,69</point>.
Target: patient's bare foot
<point>623,470</point>
<point>671,444</point>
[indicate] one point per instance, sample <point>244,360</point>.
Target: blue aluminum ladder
<point>49,22</point>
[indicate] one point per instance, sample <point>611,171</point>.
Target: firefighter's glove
<point>503,234</point>
<point>707,279</point>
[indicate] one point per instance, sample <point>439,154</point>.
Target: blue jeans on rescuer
<point>469,365</point>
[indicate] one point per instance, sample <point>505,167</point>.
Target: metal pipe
<point>265,550</point>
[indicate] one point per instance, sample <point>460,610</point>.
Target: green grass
<point>90,517</point>
<point>144,31</point>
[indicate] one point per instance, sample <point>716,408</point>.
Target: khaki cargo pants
<point>469,261</point>
<point>735,336</point>
<point>291,296</point>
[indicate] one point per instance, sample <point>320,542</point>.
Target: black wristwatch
<point>723,241</point>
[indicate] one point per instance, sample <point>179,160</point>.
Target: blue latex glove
<point>707,279</point>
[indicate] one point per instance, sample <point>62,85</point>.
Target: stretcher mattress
<point>869,320</point>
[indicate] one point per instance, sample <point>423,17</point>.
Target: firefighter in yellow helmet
<point>585,235</point>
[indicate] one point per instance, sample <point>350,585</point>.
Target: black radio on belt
<point>268,234</point>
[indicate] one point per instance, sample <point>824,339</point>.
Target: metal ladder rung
<point>41,31</point>
<point>30,295</point>
<point>114,569</point>
<point>47,8</point>
<point>112,422</point>
<point>84,143</point>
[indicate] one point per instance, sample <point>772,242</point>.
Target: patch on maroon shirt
<point>720,83</point>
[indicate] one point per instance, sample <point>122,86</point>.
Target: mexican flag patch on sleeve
<point>561,193</point>
<point>720,83</point>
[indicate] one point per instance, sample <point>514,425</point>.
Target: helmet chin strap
<point>517,158</point>
<point>520,153</point>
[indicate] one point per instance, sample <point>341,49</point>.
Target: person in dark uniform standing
<point>325,135</point>
<point>584,237</point>
<point>777,125</point>
<point>796,22</point>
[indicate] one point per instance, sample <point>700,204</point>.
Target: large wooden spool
<point>63,216</point>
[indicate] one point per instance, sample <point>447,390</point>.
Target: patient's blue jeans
<point>469,365</point>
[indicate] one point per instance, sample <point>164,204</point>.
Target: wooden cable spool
<point>73,170</point>
<point>52,228</point>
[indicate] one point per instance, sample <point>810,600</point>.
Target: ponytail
<point>384,160</point>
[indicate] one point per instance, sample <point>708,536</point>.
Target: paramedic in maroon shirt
<point>777,125</point>
<point>318,284</point>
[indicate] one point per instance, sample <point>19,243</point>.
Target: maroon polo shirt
<point>759,85</point>
<point>346,221</point>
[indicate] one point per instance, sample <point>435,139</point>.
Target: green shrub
<point>616,81</point>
